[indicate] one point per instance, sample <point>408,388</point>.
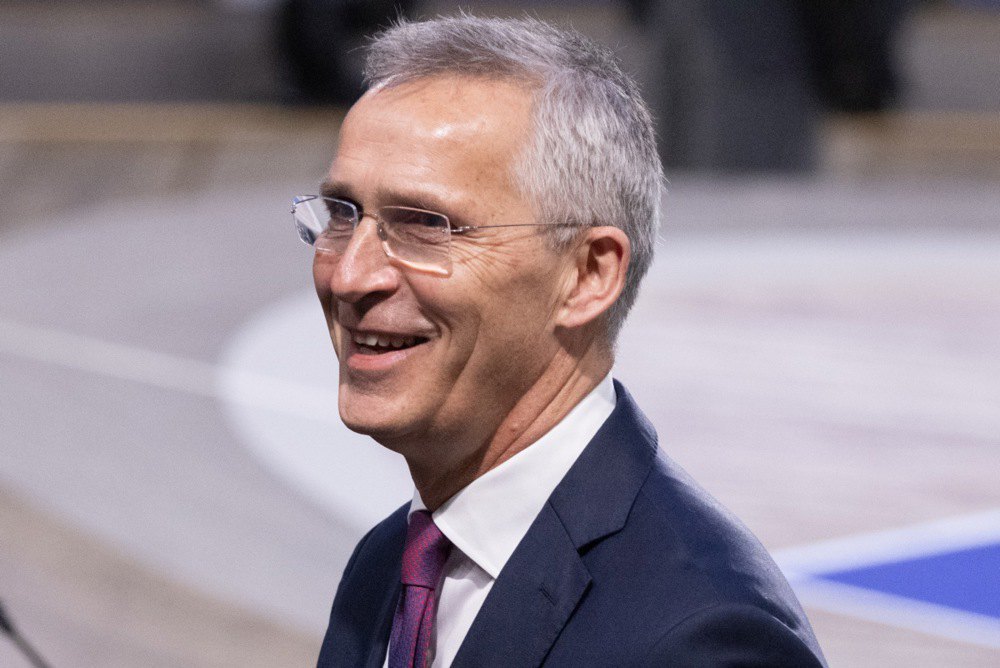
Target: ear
<point>597,276</point>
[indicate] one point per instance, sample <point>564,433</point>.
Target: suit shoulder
<point>694,528</point>
<point>385,535</point>
<point>683,546</point>
<point>378,551</point>
<point>733,635</point>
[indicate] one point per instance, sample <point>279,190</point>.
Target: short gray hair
<point>592,159</point>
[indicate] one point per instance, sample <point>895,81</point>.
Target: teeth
<point>372,340</point>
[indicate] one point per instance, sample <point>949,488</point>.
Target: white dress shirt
<point>487,519</point>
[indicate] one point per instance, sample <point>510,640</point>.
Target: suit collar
<point>611,468</point>
<point>530,602</point>
<point>545,578</point>
<point>489,517</point>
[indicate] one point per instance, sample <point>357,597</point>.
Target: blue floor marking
<point>966,579</point>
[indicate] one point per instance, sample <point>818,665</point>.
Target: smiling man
<point>481,235</point>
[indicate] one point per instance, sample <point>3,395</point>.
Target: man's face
<point>474,341</point>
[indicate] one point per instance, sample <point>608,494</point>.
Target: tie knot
<point>425,553</point>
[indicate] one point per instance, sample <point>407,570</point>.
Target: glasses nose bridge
<point>355,247</point>
<point>379,225</point>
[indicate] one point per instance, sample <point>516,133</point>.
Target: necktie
<point>423,560</point>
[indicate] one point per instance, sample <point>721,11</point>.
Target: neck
<point>549,399</point>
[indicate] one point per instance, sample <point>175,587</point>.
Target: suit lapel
<point>545,578</point>
<point>530,602</point>
<point>376,656</point>
<point>384,571</point>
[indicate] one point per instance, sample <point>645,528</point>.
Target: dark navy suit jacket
<point>629,563</point>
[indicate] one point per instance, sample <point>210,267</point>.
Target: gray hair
<point>592,159</point>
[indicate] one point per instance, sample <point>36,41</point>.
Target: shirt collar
<point>488,518</point>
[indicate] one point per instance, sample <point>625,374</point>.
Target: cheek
<point>322,273</point>
<point>513,328</point>
<point>493,308</point>
<point>322,270</point>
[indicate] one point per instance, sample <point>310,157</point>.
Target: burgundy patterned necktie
<point>423,560</point>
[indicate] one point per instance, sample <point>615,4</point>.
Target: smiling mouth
<point>379,344</point>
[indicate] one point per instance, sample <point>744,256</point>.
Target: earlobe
<point>601,259</point>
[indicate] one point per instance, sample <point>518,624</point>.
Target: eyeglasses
<point>415,238</point>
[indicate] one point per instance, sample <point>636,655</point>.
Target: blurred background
<point>818,341</point>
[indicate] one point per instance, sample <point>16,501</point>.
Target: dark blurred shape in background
<point>738,87</point>
<point>850,49</point>
<point>320,40</point>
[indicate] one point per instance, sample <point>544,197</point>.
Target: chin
<point>382,423</point>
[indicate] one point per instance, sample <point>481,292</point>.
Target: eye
<point>415,226</point>
<point>341,214</point>
<point>398,215</point>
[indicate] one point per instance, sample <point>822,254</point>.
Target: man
<point>480,237</point>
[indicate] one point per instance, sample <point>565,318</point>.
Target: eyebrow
<point>336,190</point>
<point>386,196</point>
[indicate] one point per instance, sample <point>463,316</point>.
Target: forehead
<point>443,136</point>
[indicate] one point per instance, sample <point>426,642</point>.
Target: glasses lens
<point>418,237</point>
<point>325,223</point>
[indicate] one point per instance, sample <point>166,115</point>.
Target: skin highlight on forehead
<point>439,108</point>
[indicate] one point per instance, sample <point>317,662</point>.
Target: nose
<point>363,268</point>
